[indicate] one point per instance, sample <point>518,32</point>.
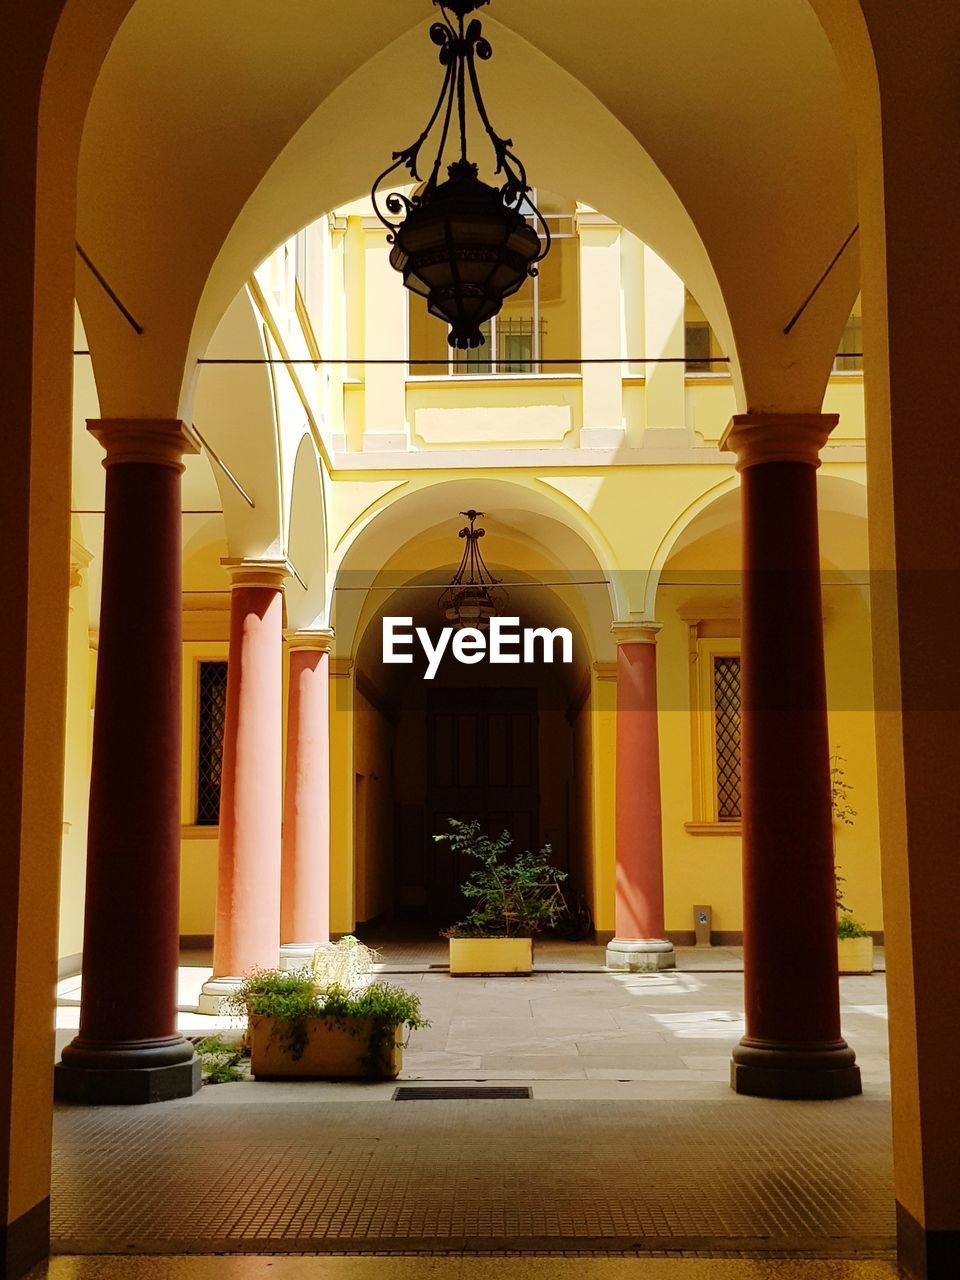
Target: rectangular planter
<point>855,955</point>
<point>334,1050</point>
<point>490,955</point>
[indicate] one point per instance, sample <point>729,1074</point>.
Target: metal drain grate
<point>461,1093</point>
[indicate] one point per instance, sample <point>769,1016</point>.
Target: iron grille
<point>213,710</point>
<point>726,703</point>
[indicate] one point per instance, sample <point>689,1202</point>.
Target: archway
<point>513,747</point>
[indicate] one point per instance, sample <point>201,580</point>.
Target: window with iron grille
<point>726,716</point>
<point>213,710</point>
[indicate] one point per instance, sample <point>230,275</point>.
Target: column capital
<point>160,442</point>
<point>605,670</point>
<point>777,437</point>
<point>80,559</point>
<point>636,632</point>
<point>257,571</point>
<point>341,668</point>
<point>316,640</point>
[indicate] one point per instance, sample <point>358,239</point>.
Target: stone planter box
<point>490,956</point>
<point>855,955</point>
<point>335,1050</point>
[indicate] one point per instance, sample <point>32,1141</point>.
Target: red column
<point>128,1048</point>
<point>792,1047</point>
<point>247,928</point>
<point>639,944</point>
<point>305,879</point>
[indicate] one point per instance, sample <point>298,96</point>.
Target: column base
<point>127,1073</point>
<point>640,955</point>
<point>213,991</point>
<point>766,1069</point>
<point>298,955</point>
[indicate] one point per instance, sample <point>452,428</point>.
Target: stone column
<point>247,927</point>
<point>128,1049</point>
<point>792,1047</point>
<point>639,944</point>
<point>305,879</point>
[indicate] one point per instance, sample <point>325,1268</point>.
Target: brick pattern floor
<point>312,1175</point>
<point>472,1267</point>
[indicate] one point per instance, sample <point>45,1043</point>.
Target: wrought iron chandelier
<point>474,595</point>
<point>460,243</point>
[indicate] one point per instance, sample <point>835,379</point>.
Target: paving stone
<point>325,1173</point>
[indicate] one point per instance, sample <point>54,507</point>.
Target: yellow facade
<point>603,473</point>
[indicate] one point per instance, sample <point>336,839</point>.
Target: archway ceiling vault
<point>216,130</point>
<point>528,533</point>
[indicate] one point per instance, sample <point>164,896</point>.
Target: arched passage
<point>511,745</point>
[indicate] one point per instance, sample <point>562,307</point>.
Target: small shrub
<point>220,1061</point>
<point>847,927</point>
<point>513,896</point>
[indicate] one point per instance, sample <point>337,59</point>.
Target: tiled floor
<point>632,1142</point>
<point>447,1268</point>
<point>581,1034</point>
<point>332,1174</point>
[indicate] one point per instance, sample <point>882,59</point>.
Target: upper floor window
<point>849,357</point>
<point>537,330</point>
<point>701,347</point>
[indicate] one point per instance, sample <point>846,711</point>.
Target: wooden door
<point>481,763</point>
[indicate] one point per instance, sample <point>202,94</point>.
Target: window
<point>726,736</point>
<point>701,348</point>
<point>715,703</point>
<point>849,358</point>
<point>213,709</point>
<point>536,331</point>
<point>696,337</point>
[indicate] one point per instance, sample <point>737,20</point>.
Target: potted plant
<point>854,945</point>
<point>854,941</point>
<point>513,896</point>
<point>298,1028</point>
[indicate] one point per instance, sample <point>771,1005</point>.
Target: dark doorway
<point>482,762</point>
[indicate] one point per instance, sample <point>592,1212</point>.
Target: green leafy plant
<point>220,1062</point>
<point>294,999</point>
<point>514,895</point>
<point>843,812</point>
<point>847,927</point>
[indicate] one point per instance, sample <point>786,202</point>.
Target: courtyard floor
<point>630,1148</point>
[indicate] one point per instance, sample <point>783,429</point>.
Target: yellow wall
<point>81,671</point>
<point>629,510</point>
<point>198,846</point>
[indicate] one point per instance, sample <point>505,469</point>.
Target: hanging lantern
<point>460,243</point>
<point>474,595</point>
